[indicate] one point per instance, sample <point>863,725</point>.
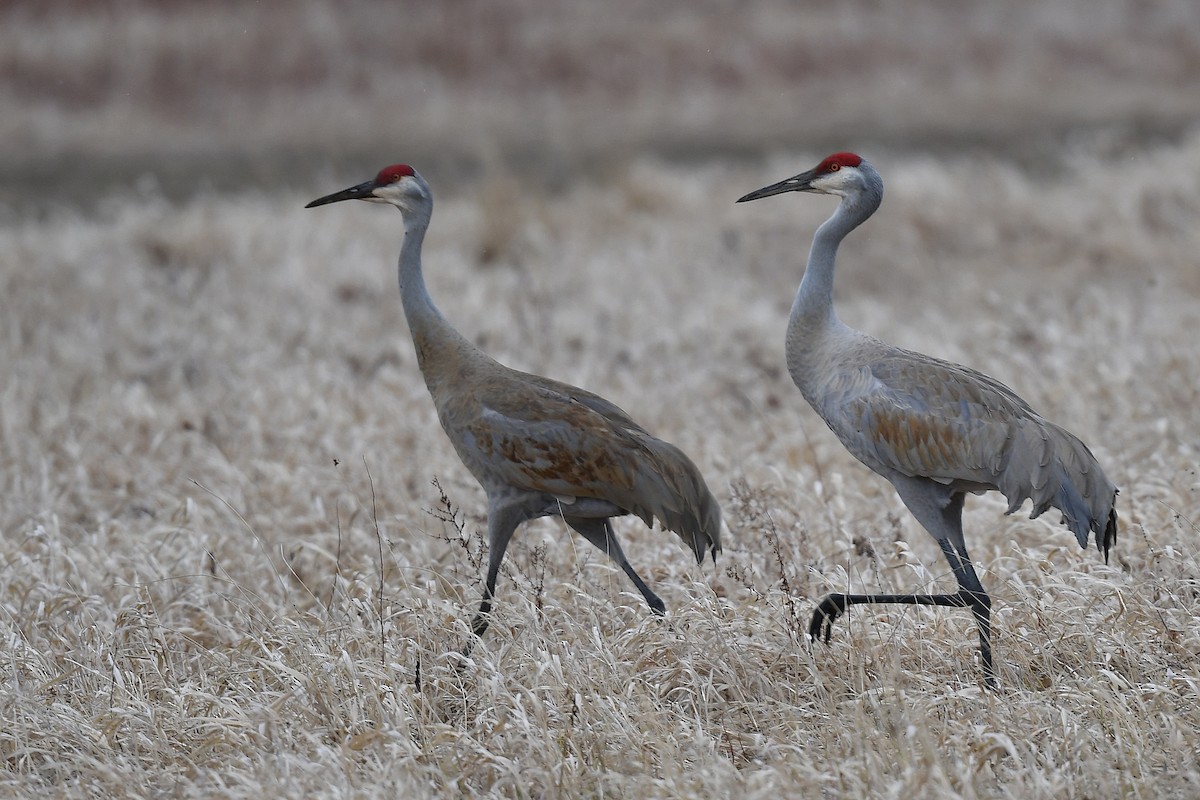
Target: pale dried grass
<point>213,428</point>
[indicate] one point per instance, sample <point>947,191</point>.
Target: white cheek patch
<point>834,183</point>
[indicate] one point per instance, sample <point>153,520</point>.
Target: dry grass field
<point>237,553</point>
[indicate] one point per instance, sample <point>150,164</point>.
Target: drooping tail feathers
<point>673,490</point>
<point>1054,468</point>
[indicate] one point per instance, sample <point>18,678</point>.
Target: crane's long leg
<point>503,519</point>
<point>975,596</point>
<point>970,594</point>
<point>600,533</point>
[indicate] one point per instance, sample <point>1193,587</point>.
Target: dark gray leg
<point>945,523</point>
<point>503,520</point>
<point>600,533</point>
<point>973,595</point>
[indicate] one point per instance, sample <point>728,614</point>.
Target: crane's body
<point>934,429</point>
<point>538,447</point>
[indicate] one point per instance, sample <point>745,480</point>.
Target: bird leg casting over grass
<point>934,429</point>
<point>538,447</point>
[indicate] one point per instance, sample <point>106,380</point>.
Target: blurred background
<point>109,95</point>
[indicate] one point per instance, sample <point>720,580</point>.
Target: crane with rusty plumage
<point>537,446</point>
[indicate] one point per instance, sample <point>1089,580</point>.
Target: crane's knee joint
<point>980,601</point>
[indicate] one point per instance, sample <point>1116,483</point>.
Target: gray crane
<point>934,429</point>
<point>538,447</point>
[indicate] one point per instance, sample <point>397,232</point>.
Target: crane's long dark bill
<point>360,192</point>
<point>800,183</point>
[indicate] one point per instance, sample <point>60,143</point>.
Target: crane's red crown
<point>836,161</point>
<point>393,173</point>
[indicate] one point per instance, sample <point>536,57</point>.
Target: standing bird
<point>538,447</point>
<point>936,430</point>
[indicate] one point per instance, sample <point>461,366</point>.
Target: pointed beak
<point>800,183</point>
<point>364,191</point>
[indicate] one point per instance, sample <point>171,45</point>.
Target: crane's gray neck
<point>435,339</point>
<point>813,306</point>
<point>413,293</point>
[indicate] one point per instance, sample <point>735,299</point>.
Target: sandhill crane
<point>934,429</point>
<point>538,447</point>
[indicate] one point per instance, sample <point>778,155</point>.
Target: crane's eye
<point>834,167</point>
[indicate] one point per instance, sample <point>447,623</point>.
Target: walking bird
<point>538,447</point>
<point>934,429</point>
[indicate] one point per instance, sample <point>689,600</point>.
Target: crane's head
<point>398,184</point>
<point>840,174</point>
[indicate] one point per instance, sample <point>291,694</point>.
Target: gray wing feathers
<point>1055,469</point>
<point>562,440</point>
<point>606,408</point>
<point>672,489</point>
<point>923,417</point>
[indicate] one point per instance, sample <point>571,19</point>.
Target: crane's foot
<point>657,606</point>
<point>828,610</point>
<point>479,625</point>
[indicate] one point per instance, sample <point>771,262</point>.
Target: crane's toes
<point>828,610</point>
<point>467,648</point>
<point>461,659</point>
